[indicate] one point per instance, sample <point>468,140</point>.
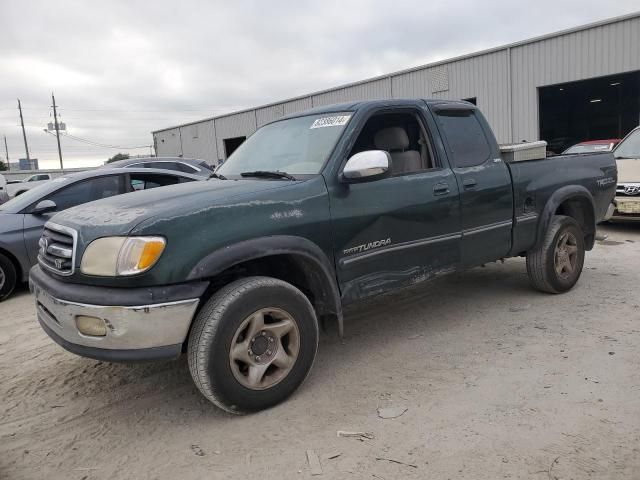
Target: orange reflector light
<point>150,254</point>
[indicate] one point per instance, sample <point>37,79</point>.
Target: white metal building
<point>577,84</point>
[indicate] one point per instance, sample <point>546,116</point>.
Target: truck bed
<point>536,181</point>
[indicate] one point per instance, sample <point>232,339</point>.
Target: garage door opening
<point>595,109</point>
<point>230,145</point>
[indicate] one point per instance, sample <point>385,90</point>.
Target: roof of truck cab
<point>366,104</point>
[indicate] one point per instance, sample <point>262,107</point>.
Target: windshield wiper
<point>219,176</point>
<point>268,174</point>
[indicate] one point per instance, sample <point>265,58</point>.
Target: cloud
<point>121,69</point>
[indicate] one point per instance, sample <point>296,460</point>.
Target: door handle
<point>441,188</point>
<point>469,183</point>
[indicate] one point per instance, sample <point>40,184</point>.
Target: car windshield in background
<point>629,147</point>
<point>589,148</point>
<point>297,146</point>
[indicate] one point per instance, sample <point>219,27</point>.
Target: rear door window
<point>145,181</point>
<point>466,138</point>
<point>86,191</point>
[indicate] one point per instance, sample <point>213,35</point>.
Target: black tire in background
<point>215,333</point>
<point>563,242</point>
<point>8,277</point>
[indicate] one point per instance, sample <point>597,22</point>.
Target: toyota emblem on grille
<point>58,262</point>
<point>632,189</point>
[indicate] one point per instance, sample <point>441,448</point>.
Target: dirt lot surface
<point>498,381</point>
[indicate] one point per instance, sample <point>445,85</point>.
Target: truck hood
<point>628,170</point>
<point>120,214</point>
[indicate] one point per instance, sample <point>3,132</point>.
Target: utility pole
<point>55,119</point>
<point>24,134</point>
<point>6,151</point>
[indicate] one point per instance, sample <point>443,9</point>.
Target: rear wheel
<point>8,277</point>
<point>252,344</point>
<point>556,266</point>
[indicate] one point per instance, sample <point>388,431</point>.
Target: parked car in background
<point>22,218</point>
<point>4,196</point>
<point>593,146</point>
<point>16,188</point>
<point>627,155</point>
<point>36,177</point>
<point>177,164</point>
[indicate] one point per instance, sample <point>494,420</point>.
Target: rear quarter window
<point>465,136</point>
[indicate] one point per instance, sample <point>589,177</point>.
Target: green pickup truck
<point>313,212</point>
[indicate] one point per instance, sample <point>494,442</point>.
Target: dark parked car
<point>22,218</point>
<point>177,164</point>
<point>311,213</point>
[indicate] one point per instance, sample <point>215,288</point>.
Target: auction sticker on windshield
<point>335,121</point>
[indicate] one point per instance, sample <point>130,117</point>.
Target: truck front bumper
<point>134,331</point>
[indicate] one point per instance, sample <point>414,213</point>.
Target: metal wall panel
<point>487,79</point>
<point>484,77</point>
<point>199,141</point>
<point>269,114</point>
<point>412,84</point>
<point>504,82</point>
<point>298,105</point>
<point>373,90</point>
<point>235,125</point>
<point>167,143</point>
<point>595,52</point>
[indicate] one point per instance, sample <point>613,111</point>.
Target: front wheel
<point>556,265</point>
<point>252,344</point>
<point>8,277</point>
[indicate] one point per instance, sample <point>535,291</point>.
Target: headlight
<point>114,256</point>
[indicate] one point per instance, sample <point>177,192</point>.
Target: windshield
<point>32,195</point>
<point>299,146</point>
<point>629,147</point>
<point>589,148</point>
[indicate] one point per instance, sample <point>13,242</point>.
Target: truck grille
<point>57,249</point>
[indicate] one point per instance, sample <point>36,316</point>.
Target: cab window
<point>403,136</point>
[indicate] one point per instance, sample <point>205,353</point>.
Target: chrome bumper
<point>128,328</point>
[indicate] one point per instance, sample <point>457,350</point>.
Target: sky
<point>121,69</point>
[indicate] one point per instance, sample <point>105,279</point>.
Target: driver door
<point>402,229</point>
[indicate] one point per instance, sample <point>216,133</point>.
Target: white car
<point>4,196</point>
<point>18,188</point>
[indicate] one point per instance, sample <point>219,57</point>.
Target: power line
<point>103,145</point>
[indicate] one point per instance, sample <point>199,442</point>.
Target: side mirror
<point>367,166</point>
<point>44,206</point>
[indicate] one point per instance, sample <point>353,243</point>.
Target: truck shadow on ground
<point>442,304</point>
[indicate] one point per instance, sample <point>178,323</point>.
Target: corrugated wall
<point>199,141</point>
<point>373,90</point>
<point>484,77</point>
<point>237,125</point>
<point>504,82</point>
<point>167,143</point>
<point>596,52</point>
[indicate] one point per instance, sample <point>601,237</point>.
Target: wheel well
<point>15,262</point>
<point>581,210</point>
<point>297,270</point>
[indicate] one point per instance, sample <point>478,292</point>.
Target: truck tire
<point>8,277</point>
<point>556,265</point>
<point>252,344</point>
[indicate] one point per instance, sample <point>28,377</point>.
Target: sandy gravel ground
<point>498,381</point>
